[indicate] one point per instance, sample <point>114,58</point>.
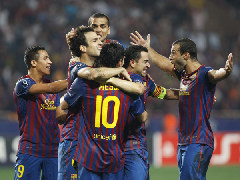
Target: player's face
<point>94,44</point>
<point>142,65</point>
<point>43,64</point>
<point>100,26</point>
<point>177,59</point>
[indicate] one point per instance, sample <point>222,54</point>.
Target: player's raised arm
<point>172,94</point>
<point>161,61</point>
<point>218,75</point>
<point>49,88</point>
<point>127,86</point>
<point>102,74</point>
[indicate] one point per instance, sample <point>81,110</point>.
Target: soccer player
<point>103,112</point>
<point>197,88</point>
<point>85,43</point>
<point>136,155</point>
<point>38,111</point>
<point>101,25</point>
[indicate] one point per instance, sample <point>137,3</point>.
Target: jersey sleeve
<point>137,106</point>
<point>206,70</point>
<point>152,87</point>
<point>77,67</point>
<point>23,86</point>
<point>75,92</point>
<point>57,100</point>
<point>137,78</point>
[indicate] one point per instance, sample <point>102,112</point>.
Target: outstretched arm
<point>102,74</point>
<point>49,88</point>
<point>161,61</point>
<point>172,94</point>
<point>218,75</point>
<point>127,86</point>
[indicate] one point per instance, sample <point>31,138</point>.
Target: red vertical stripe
<point>200,115</point>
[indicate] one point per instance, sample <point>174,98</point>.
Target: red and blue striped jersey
<point>103,111</point>
<point>196,98</point>
<point>71,127</point>
<point>39,132</point>
<point>136,139</point>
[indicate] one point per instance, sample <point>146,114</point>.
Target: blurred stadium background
<point>214,26</point>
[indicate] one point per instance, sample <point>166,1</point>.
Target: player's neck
<point>36,76</point>
<point>192,66</point>
<point>88,60</point>
<point>129,69</point>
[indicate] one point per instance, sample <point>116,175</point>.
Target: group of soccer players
<point>103,134</point>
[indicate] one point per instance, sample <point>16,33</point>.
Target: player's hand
<point>150,77</point>
<point>229,64</point>
<point>74,59</point>
<point>125,75</point>
<point>137,39</point>
<point>69,35</point>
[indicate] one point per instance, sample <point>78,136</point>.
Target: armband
<point>162,93</point>
<point>159,92</point>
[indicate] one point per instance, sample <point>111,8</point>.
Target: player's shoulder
<point>78,64</point>
<point>136,77</point>
<point>23,85</point>
<point>24,80</point>
<point>206,68</point>
<point>203,70</point>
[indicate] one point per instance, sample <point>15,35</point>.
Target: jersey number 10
<point>102,108</point>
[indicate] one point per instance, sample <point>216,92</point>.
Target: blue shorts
<point>193,161</point>
<point>84,173</point>
<point>67,168</point>
<point>30,167</point>
<point>135,167</point>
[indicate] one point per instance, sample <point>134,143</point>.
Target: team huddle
<point>103,112</point>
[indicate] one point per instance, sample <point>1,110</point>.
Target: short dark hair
<point>98,15</point>
<point>133,52</point>
<point>110,55</point>
<point>31,53</point>
<point>187,45</point>
<point>79,39</point>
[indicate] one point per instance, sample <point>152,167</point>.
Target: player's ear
<point>132,63</point>
<point>83,48</point>
<point>33,63</point>
<point>121,62</point>
<point>186,55</point>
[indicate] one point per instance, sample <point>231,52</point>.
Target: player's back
<point>104,116</point>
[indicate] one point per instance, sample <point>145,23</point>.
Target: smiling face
<point>177,59</point>
<point>94,44</point>
<point>43,64</point>
<point>100,26</point>
<point>142,64</point>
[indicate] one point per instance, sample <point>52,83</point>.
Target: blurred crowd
<point>213,25</point>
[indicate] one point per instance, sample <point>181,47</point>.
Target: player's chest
<point>47,101</point>
<point>188,82</point>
